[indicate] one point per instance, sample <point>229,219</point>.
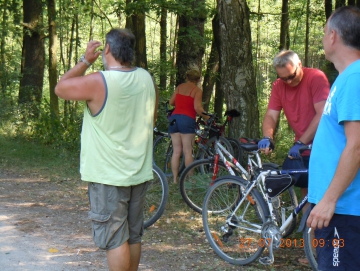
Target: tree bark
<point>138,28</point>
<point>307,31</point>
<point>211,73</point>
<point>284,27</point>
<point>54,100</point>
<point>328,8</point>
<point>33,61</point>
<point>163,49</point>
<point>236,67</point>
<point>3,71</point>
<point>191,44</point>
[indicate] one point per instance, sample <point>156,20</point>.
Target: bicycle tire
<point>162,151</point>
<point>203,154</point>
<point>310,250</point>
<point>240,243</point>
<point>196,179</point>
<point>156,197</point>
<point>285,203</point>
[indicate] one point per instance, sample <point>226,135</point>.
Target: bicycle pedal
<point>265,260</point>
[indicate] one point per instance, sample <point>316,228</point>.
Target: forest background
<point>232,42</point>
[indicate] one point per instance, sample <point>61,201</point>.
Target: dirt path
<point>44,226</point>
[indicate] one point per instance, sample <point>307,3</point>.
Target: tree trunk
<point>284,27</point>
<point>236,67</point>
<point>33,61</point>
<point>191,44</point>
<point>212,69</point>
<point>173,54</point>
<point>3,71</point>
<point>329,68</point>
<point>163,49</point>
<point>328,8</point>
<point>54,101</point>
<point>138,28</point>
<point>307,30</point>
<point>340,3</point>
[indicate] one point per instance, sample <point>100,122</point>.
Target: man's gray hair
<point>346,22</point>
<point>285,57</point>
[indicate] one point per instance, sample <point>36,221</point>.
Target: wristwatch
<point>83,59</point>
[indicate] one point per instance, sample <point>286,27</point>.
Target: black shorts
<point>338,245</point>
<point>183,124</point>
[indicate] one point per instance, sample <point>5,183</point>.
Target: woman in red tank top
<point>187,100</point>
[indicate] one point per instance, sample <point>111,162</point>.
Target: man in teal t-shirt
<point>334,177</point>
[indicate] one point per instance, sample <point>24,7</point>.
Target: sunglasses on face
<point>290,77</point>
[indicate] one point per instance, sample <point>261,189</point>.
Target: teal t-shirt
<point>343,104</point>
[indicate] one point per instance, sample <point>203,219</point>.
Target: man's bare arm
<point>269,123</point>
<point>73,85</point>
<point>309,134</point>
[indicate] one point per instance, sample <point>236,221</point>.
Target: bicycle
<point>162,148</point>
<point>239,223</point>
<point>156,197</point>
<point>200,175</point>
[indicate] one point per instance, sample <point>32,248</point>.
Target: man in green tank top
<point>116,143</point>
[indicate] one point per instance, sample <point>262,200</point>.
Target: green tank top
<point>116,143</point>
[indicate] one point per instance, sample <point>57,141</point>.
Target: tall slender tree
<point>2,46</point>
<point>284,27</point>
<point>54,101</point>
<point>163,48</point>
<point>136,9</point>
<point>33,56</point>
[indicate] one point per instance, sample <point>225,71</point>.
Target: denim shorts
<point>183,124</point>
<point>116,213</point>
<point>337,246</point>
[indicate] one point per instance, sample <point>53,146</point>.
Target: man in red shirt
<point>301,92</point>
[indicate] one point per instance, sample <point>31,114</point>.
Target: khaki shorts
<point>116,213</point>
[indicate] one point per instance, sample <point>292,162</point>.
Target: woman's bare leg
<point>175,159</point>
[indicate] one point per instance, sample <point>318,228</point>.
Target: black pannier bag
<point>276,184</point>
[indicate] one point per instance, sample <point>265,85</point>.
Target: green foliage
<point>75,21</point>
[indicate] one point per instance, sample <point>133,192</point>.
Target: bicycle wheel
<point>234,235</point>
<point>309,248</point>
<point>156,197</point>
<point>210,145</point>
<point>196,179</point>
<point>162,152</point>
<point>283,205</point>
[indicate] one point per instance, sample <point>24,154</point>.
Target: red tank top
<point>184,105</point>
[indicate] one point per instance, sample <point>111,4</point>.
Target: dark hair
<point>121,42</point>
<point>346,22</point>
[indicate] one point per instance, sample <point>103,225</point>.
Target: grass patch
<point>20,156</point>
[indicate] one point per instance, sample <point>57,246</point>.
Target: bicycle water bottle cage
<point>276,184</point>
